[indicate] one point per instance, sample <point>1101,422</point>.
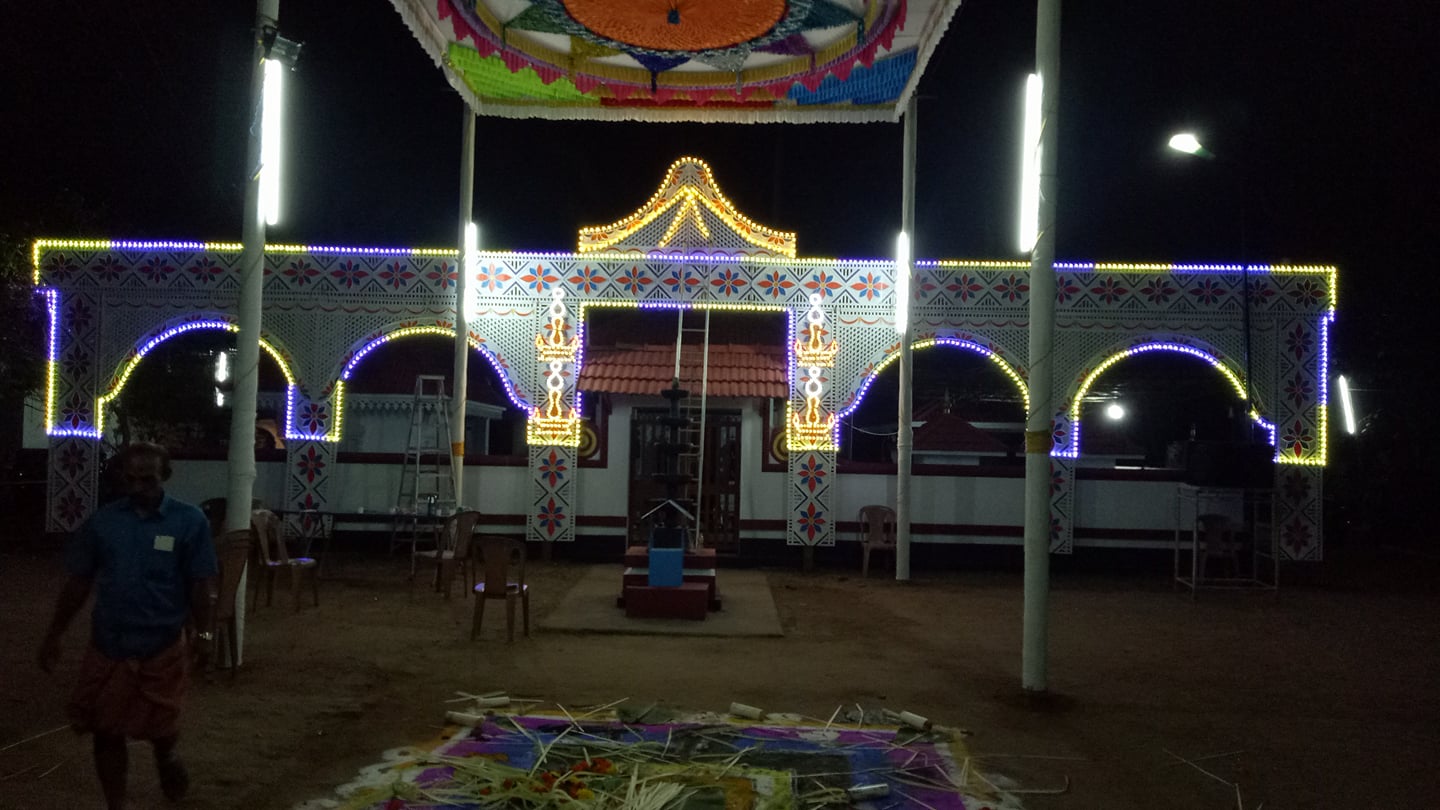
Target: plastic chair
<point>309,527</point>
<point>233,551</point>
<point>274,557</point>
<point>877,533</point>
<point>504,561</point>
<point>452,547</point>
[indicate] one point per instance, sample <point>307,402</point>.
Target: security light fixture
<point>1187,142</point>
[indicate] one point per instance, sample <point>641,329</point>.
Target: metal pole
<point>904,435</point>
<point>462,326</point>
<point>241,487</point>
<point>1039,422</point>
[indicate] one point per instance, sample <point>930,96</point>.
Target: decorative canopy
<point>760,61</point>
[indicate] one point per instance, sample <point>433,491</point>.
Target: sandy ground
<point>1327,693</point>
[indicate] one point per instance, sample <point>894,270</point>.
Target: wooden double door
<point>719,510</point>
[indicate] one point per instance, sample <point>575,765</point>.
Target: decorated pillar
<point>1301,427</point>
<point>553,429</point>
<point>71,419</point>
<point>811,432</point>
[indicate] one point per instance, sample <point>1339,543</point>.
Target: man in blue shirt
<point>152,565</point>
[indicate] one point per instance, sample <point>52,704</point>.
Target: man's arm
<point>72,598</point>
<point>202,609</point>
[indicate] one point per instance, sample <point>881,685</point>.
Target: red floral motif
<point>301,272</point>
<point>1011,287</point>
<point>310,464</point>
<point>729,282</point>
<point>205,270</point>
<point>588,280</point>
<point>812,472</point>
<point>539,281</point>
<point>156,270</point>
<point>1297,487</point>
<point>349,273</point>
<point>108,269</point>
<point>823,283</point>
<point>1299,437</point>
<point>551,517</point>
<point>775,284</point>
<point>1065,289</point>
<point>869,286</point>
<point>1109,290</point>
<point>396,275</point>
<point>1298,341</point>
<point>1298,390</point>
<point>682,280</point>
<point>492,277</point>
<point>965,288</point>
<point>812,521</point>
<point>1159,290</point>
<point>443,277</point>
<point>553,468</point>
<point>1208,291</point>
<point>634,281</point>
<point>1297,537</point>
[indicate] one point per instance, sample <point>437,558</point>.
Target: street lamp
<point>1187,143</point>
<point>1115,411</point>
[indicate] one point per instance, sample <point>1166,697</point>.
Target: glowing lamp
<point>468,263</point>
<point>902,283</point>
<point>1030,166</point>
<point>271,132</point>
<point>1345,404</point>
<point>1186,142</point>
<point>1115,411</point>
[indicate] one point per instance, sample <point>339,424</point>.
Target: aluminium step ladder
<point>427,485</point>
<point>691,436</point>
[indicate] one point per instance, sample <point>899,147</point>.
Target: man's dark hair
<point>142,449</point>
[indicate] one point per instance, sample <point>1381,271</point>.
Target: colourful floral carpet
<point>655,759</point>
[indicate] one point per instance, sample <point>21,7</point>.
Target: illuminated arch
<point>363,348</point>
<point>959,343</point>
<point>144,347</point>
<point>1209,356</point>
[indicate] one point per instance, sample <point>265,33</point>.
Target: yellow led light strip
<point>674,189</point>
<point>131,364</point>
<point>966,345</point>
<point>42,245</point>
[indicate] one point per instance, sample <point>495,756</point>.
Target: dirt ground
<point>1322,698</point>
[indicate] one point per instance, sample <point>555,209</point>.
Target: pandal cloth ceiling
<point>744,61</point>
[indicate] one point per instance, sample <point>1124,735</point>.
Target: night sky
<point>127,120</point>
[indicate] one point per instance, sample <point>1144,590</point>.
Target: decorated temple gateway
<point>776,350</point>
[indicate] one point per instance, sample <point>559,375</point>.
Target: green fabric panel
<point>534,18</point>
<point>828,15</point>
<point>491,79</point>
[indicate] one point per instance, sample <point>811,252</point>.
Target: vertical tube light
<point>271,133</point>
<point>1030,167</point>
<point>902,283</point>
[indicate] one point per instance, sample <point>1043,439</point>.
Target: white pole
<point>240,488</point>
<point>241,485</point>
<point>462,325</point>
<point>1038,424</point>
<point>904,435</point>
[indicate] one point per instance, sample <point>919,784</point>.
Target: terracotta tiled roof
<point>945,432</point>
<point>736,370</point>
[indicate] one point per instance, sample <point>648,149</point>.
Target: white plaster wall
<point>196,481</point>
<point>374,487</point>
<point>936,499</point>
